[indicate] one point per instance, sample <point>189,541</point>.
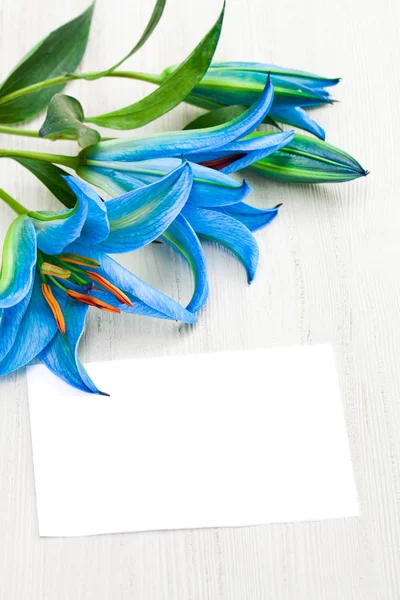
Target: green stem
<point>35,134</point>
<point>63,79</point>
<point>60,159</point>
<point>18,131</point>
<point>12,203</point>
<point>149,77</point>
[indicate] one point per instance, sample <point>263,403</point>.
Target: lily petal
<point>36,329</point>
<point>253,218</point>
<point>135,287</point>
<point>210,187</point>
<point>139,217</point>
<point>61,354</point>
<point>228,232</point>
<point>296,117</point>
<point>114,182</point>
<point>248,150</point>
<point>304,77</point>
<point>244,87</point>
<point>96,226</point>
<point>56,230</point>
<point>18,262</point>
<point>138,308</point>
<point>181,236</point>
<point>179,143</point>
<point>10,322</point>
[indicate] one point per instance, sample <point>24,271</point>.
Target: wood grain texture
<point>329,273</point>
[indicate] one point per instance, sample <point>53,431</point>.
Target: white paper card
<point>220,439</point>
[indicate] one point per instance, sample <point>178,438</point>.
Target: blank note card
<point>219,439</point>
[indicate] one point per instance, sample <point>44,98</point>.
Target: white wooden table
<point>329,273</point>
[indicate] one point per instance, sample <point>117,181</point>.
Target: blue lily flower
<point>241,83</point>
<point>56,265</point>
<point>215,209</point>
<point>141,159</point>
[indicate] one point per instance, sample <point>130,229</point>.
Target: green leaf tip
<point>56,56</point>
<point>172,91</point>
<point>150,27</point>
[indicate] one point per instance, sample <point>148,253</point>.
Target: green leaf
<point>309,160</point>
<point>58,54</point>
<point>222,115</point>
<point>172,90</point>
<point>150,27</point>
<point>219,116</point>
<point>52,177</point>
<point>65,117</point>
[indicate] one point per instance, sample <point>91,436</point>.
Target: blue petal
<point>54,235</point>
<point>181,236</point>
<point>307,97</point>
<point>96,226</point>
<point>112,181</point>
<point>61,354</point>
<point>228,232</point>
<point>253,218</point>
<point>139,217</point>
<point>296,117</point>
<point>273,143</point>
<point>214,188</point>
<point>244,87</point>
<point>10,322</point>
<point>302,77</point>
<point>253,148</point>
<point>210,187</point>
<point>18,262</point>
<point>138,308</point>
<point>37,328</point>
<point>179,143</point>
<point>135,287</point>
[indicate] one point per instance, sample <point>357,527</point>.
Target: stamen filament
<point>57,283</point>
<point>79,280</point>
<point>72,272</point>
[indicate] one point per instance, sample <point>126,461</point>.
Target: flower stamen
<point>77,259</point>
<point>54,271</point>
<point>110,287</point>
<point>54,306</point>
<point>92,301</point>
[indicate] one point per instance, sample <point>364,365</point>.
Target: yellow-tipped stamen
<point>55,307</point>
<point>110,287</point>
<point>54,271</point>
<point>92,301</point>
<point>77,259</point>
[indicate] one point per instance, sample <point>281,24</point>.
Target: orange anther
<point>77,259</point>
<point>55,307</point>
<point>54,271</point>
<point>92,301</point>
<point>110,287</point>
